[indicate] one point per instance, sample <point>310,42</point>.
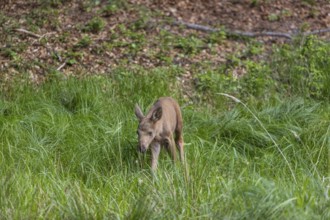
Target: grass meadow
<point>257,147</point>
<point>68,149</point>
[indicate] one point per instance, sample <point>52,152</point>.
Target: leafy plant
<point>95,25</point>
<point>257,81</point>
<point>42,17</point>
<point>113,6</point>
<point>52,3</point>
<point>189,45</point>
<point>273,17</point>
<point>217,37</point>
<point>11,54</point>
<point>84,42</point>
<point>254,3</point>
<point>304,69</point>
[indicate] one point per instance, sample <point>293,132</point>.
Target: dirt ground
<point>250,15</point>
<point>61,43</point>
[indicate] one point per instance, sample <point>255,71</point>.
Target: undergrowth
<point>258,151</point>
<point>68,150</point>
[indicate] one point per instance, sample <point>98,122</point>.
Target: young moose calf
<point>158,127</point>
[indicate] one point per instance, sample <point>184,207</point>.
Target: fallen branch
<point>29,33</point>
<point>196,27</point>
<point>259,34</point>
<point>317,32</point>
<point>60,67</point>
<point>248,34</point>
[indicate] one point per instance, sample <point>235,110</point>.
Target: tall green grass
<point>68,151</point>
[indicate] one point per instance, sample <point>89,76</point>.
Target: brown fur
<point>162,126</point>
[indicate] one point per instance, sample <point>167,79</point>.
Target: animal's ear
<point>157,114</point>
<point>138,112</point>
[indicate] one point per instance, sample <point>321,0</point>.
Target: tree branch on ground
<point>246,33</point>
<point>61,66</point>
<point>29,33</point>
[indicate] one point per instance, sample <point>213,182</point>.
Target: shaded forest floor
<point>81,37</point>
<point>256,110</point>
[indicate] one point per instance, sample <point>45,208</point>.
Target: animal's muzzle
<point>142,149</point>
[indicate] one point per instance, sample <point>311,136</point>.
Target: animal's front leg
<point>155,150</point>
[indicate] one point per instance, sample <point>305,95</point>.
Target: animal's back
<point>171,112</point>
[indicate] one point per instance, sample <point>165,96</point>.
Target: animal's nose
<point>143,149</point>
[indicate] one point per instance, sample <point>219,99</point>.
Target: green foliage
<point>129,39</point>
<point>84,42</point>
<point>189,45</point>
<point>254,3</point>
<point>3,18</point>
<point>304,69</point>
<point>68,146</point>
<point>294,71</point>
<point>143,21</point>
<point>273,17</point>
<point>110,9</point>
<point>68,151</point>
<point>9,53</point>
<point>150,85</point>
<point>253,48</point>
<point>309,2</point>
<point>36,18</point>
<point>95,25</point>
<point>73,56</point>
<point>113,6</point>
<point>217,37</point>
<point>52,3</point>
<point>256,83</point>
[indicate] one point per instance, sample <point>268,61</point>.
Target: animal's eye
<point>150,133</point>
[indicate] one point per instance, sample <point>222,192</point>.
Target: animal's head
<point>147,127</point>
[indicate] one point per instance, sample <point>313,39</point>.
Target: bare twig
<point>248,34</point>
<point>29,33</point>
<point>60,67</point>
<point>47,34</point>
<point>196,27</point>
<point>260,34</point>
<point>316,32</point>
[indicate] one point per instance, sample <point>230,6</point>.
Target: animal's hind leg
<point>179,143</point>
<point>170,146</point>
